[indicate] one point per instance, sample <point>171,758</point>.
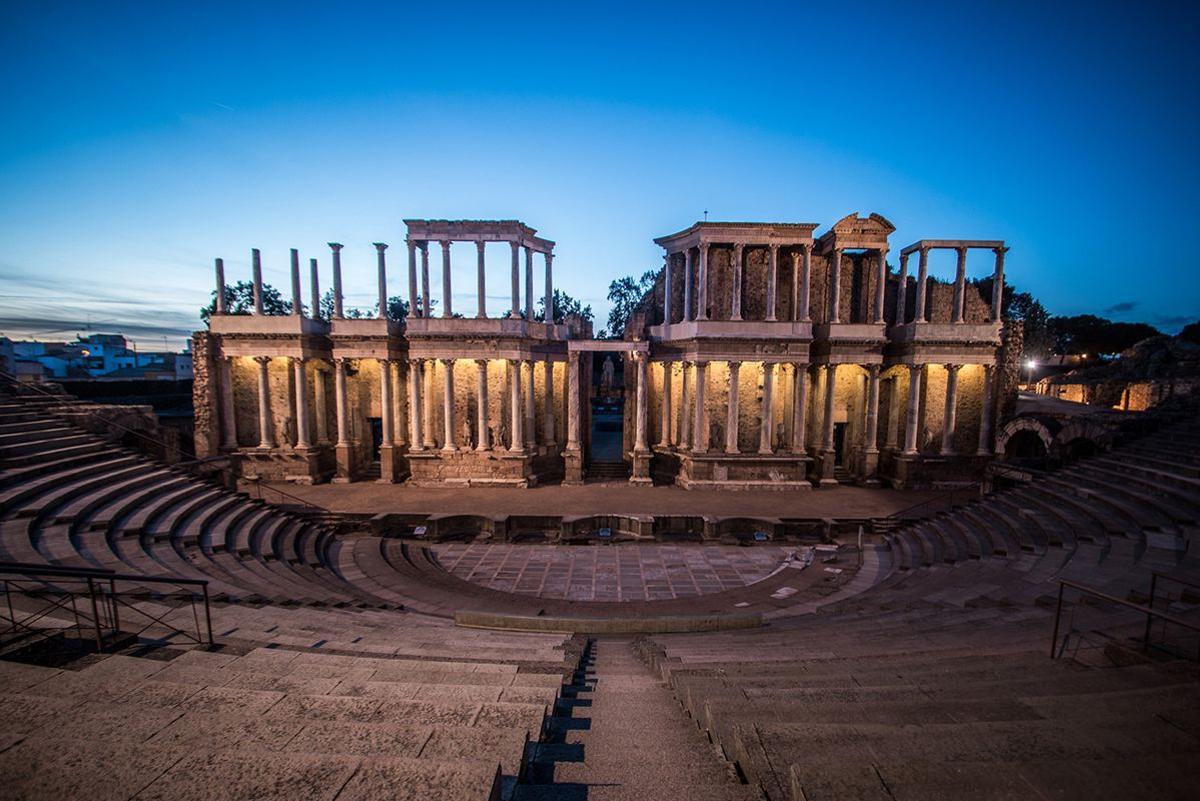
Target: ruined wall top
<point>477,231</point>
<point>853,232</point>
<point>749,233</point>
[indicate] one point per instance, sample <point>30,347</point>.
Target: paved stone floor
<point>598,499</point>
<point>611,573</point>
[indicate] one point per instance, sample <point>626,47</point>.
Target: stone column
<point>960,285</point>
<point>702,288</point>
<point>665,439</point>
<point>685,410</point>
<point>700,434</point>
<point>416,404</point>
<point>429,395</point>
<point>902,292</point>
<point>667,288</point>
<point>922,278</point>
<point>314,283</point>
<point>385,405</point>
<point>297,297</point>
<point>382,265</point>
<point>799,408</point>
<point>399,406</point>
<point>447,294</point>
<point>688,268</point>
<point>643,402</point>
<point>881,286</point>
<point>573,401</point>
<point>835,286</point>
<point>731,414</point>
<point>228,415</point>
<point>827,420</point>
<point>265,438</point>
<point>425,299</point>
<point>914,409</point>
<point>766,435</point>
<point>549,257</point>
<point>219,264</point>
<point>949,419</point>
<point>871,432</point>
<point>530,405</point>
<point>343,451</point>
<point>517,414</point>
<point>256,277</point>
<point>773,283</point>
<point>528,283</point>
<point>448,406</point>
<point>414,303</point>
<point>516,280</point>
<point>893,429</point>
<point>736,300</point>
<point>483,439</point>
<point>321,405</point>
<point>301,378</point>
<point>548,422</point>
<point>480,281</point>
<point>985,416</point>
<point>336,247</point>
<point>998,284</point>
<point>803,313</point>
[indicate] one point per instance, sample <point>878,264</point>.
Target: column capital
<point>773,247</point>
<point>874,370</point>
<point>445,243</point>
<point>423,245</point>
<point>263,359</point>
<point>448,362</point>
<point>804,247</point>
<point>515,245</point>
<point>735,365</point>
<point>904,260</point>
<point>913,368</point>
<point>961,250</point>
<point>384,361</point>
<point>952,368</point>
<point>341,360</point>
<point>481,362</point>
<point>380,246</point>
<point>336,246</point>
<point>703,247</point>
<point>738,247</point>
<point>415,363</point>
<point>1000,251</point>
<point>480,245</point>
<point>548,255</point>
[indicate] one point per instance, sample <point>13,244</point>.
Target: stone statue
<point>607,373</point>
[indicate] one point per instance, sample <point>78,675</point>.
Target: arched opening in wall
<point>1079,448</point>
<point>1025,446</point>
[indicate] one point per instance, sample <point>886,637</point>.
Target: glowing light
<point>1031,364</point>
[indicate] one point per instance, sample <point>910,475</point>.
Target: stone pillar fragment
<point>573,402</point>
<point>998,285</point>
<point>256,278</point>
<point>805,283</point>
<point>922,280</point>
<point>426,301</point>
<point>336,247</point>
<point>483,439</point>
<point>265,434</point>
<point>321,405</point>
<point>381,262</point>
<point>549,302</point>
<point>643,400</point>
<point>517,414</point>
<point>685,408</point>
<point>902,292</point>
<point>835,286</point>
<point>914,409</point>
<point>448,444</point>
<point>414,300</point>
<point>731,414</point>
<point>688,269</point>
<point>516,280</point>
<point>766,436</point>
<point>985,415</point>
<point>950,418</point>
<point>881,285</point>
<point>229,439</point>
<point>700,432</point>
<point>736,300</point>
<point>447,294</point>
<point>799,408</point>
<point>773,282</point>
<point>480,281</point>
<point>528,283</point>
<point>960,285</point>
<point>429,395</point>
<point>667,289</point>
<point>665,422</point>
<point>548,421</point>
<point>827,419</point>
<point>297,298</point>
<point>385,403</point>
<point>702,288</point>
<point>300,376</point>
<point>530,404</point>
<point>871,430</point>
<point>219,265</point>
<point>314,285</point>
<point>416,406</point>
<point>343,452</point>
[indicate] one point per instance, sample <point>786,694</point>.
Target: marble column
<point>685,411</point>
<point>985,416</point>
<point>429,396</point>
<point>530,405</point>
<point>385,405</point>
<point>229,438</point>
<point>960,285</point>
<point>667,288</point>
<point>799,408</point>
<point>414,301</point>
<point>766,430</point>
<point>265,437</point>
<point>949,418</point>
<point>297,296</point>
<point>416,405</point>
<point>447,293</point>
<point>301,379</point>
<point>448,406</point>
<point>893,427</point>
<point>902,291</point>
<point>381,261</point>
<point>480,280</point>
<point>548,421</point>
<point>338,312</point>
<point>688,269</point>
<point>922,280</point>
<point>399,404</point>
<point>702,288</point>
<point>341,409</point>
<point>549,302</point>
<point>516,280</point>
<point>881,285</point>
<point>314,283</point>
<point>483,439</point>
<point>321,404</point>
<point>426,303</point>
<point>665,423</point>
<point>998,284</point>
<point>219,264</point>
<point>643,402</point>
<point>573,401</point>
<point>805,283</point>
<point>871,433</point>
<point>736,301</point>
<point>732,407</point>
<point>256,278</point>
<point>835,286</point>
<point>700,434</point>
<point>773,283</point>
<point>516,413</point>
<point>827,419</point>
<point>914,409</point>
<point>528,283</point>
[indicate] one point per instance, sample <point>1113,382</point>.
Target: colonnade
<point>419,299</point>
<point>920,312</point>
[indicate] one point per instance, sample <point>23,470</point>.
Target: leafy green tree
<point>397,308</point>
<point>1017,305</point>
<point>626,296</point>
<point>564,304</point>
<point>239,299</point>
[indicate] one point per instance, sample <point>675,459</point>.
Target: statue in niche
<point>607,373</point>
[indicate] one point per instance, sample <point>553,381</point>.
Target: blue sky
<point>140,140</point>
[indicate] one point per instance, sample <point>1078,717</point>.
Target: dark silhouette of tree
<point>626,295</point>
<point>564,304</point>
<point>1087,333</point>
<point>1191,333</point>
<point>239,299</point>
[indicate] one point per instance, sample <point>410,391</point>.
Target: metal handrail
<point>31,569</point>
<point>257,482</point>
<point>1148,611</point>
<point>947,497</point>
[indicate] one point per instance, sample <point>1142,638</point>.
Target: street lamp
<point>1030,364</point>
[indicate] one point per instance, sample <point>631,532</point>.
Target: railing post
<point>1150,615</point>
<point>116,619</point>
<point>1057,615</point>
<point>95,615</point>
<point>11,614</point>
<point>207,613</point>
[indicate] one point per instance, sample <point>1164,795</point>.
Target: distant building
<point>102,357</point>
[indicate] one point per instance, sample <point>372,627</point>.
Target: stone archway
<point>1020,438</point>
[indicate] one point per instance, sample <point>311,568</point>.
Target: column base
<point>641,468</point>
<point>573,467</point>
<point>823,467</point>
<point>344,460</point>
<point>388,464</point>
